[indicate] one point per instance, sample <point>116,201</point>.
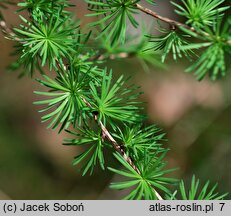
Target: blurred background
<point>195,115</point>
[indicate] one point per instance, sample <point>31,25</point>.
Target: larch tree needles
<point>101,112</point>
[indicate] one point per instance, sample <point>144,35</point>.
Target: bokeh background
<point>195,115</point>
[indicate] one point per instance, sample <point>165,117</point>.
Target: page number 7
<point>222,205</point>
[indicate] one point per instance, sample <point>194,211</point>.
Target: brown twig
<point>164,19</point>
<point>7,31</point>
<point>172,22</point>
<point>102,57</point>
<point>114,56</point>
<point>116,145</point>
<point>106,134</point>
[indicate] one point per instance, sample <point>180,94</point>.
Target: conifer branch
<point>118,147</point>
<point>173,23</point>
<point>106,134</point>
<point>80,85</point>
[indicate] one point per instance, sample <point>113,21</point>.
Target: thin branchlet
<point>7,31</point>
<point>103,57</point>
<point>118,147</point>
<point>164,19</point>
<point>172,22</point>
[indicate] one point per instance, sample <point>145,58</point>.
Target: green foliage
<point>151,2</point>
<point>170,41</point>
<point>195,193</point>
<point>212,60</point>
<point>200,13</point>
<point>137,47</point>
<point>115,102</point>
<point>141,185</point>
<point>104,112</point>
<point>147,58</point>
<point>114,15</point>
<point>48,41</point>
<point>26,63</point>
<point>93,154</point>
<point>137,140</point>
<point>85,55</point>
<point>66,105</point>
<point>40,9</point>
